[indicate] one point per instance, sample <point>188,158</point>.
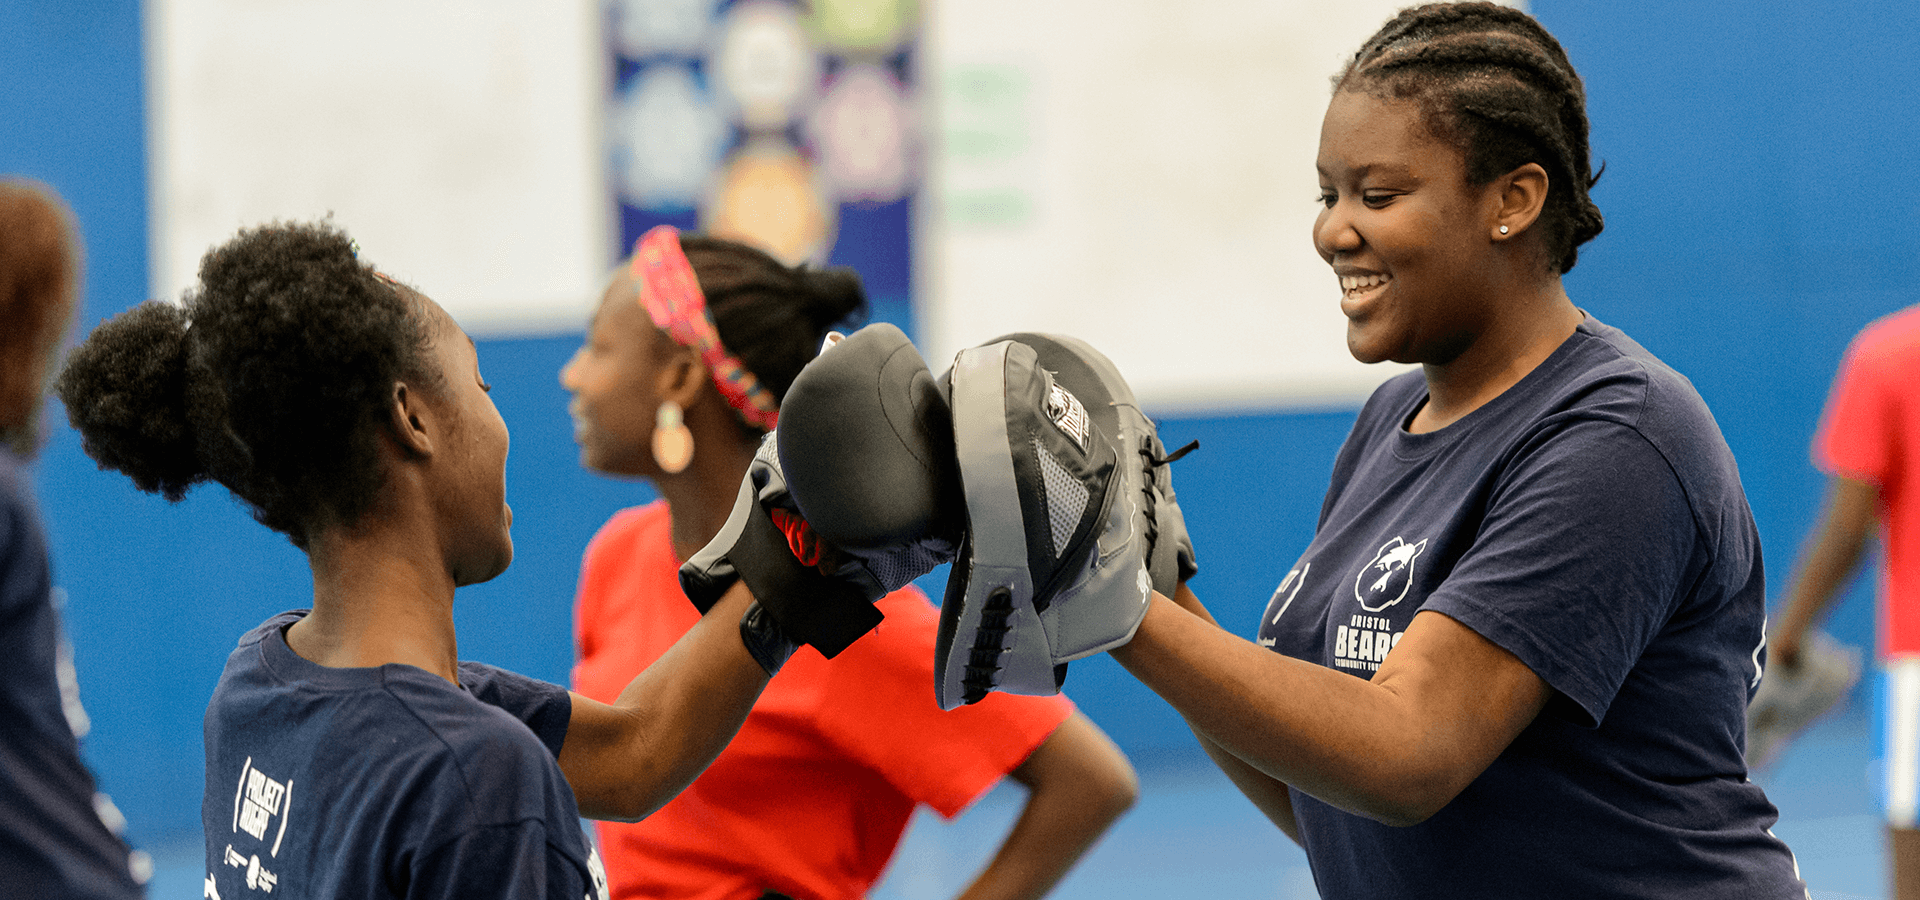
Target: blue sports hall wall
<point>1755,221</point>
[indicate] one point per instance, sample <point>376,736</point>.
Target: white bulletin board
<point>1141,174</point>
<point>458,141</point>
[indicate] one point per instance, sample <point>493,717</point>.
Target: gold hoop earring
<point>672,442</point>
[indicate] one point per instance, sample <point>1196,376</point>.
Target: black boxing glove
<point>866,443</point>
<point>814,601</point>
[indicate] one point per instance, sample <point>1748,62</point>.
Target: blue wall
<point>1748,237</point>
<point>1755,158</point>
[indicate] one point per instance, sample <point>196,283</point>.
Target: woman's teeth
<point>1354,284</point>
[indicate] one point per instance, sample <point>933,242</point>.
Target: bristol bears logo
<point>1384,581</point>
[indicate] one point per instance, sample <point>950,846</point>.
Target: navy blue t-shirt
<point>387,782</point>
<point>52,840</point>
<point>1590,520</point>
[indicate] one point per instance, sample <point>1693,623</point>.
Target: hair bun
<point>125,392</point>
<point>833,295</point>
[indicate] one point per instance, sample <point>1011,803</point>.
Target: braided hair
<point>1494,84</point>
<point>770,315</point>
<point>271,378</point>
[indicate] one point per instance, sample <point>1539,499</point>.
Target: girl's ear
<point>1523,194</point>
<point>682,377</point>
<point>411,421</point>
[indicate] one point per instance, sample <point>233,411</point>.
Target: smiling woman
<point>1427,259</point>
<point>1519,647</point>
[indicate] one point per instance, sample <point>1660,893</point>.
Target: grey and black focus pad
<point>1085,370</point>
<point>1054,568</point>
<point>866,443</point>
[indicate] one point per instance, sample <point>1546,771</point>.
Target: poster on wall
<point>457,141</point>
<point>790,126</point>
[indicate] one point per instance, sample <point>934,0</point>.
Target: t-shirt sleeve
<point>1856,437</point>
<point>546,708</point>
<point>878,706</point>
<point>1577,565</point>
<point>509,862</point>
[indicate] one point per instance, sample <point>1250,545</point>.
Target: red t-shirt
<point>1871,427</point>
<point>814,793</point>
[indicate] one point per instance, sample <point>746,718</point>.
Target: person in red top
<point>675,383</point>
<point>1866,443</point>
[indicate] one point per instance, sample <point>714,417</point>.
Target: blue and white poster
<point>792,127</point>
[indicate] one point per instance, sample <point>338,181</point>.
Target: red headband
<point>671,295</point>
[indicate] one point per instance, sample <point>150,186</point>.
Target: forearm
<point>1267,795</point>
<point>1078,785</point>
<point>669,722</point>
<point>1828,563</point>
<point>1831,556</point>
<point>1826,567</point>
<point>1333,735</point>
<point>1365,746</point>
<point>1044,843</point>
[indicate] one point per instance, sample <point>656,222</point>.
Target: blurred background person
<point>675,384</point>
<point>55,840</point>
<point>1865,443</point>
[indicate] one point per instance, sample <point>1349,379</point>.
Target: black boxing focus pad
<point>866,443</point>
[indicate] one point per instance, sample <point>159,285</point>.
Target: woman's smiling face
<point>612,380</point>
<point>1403,230</point>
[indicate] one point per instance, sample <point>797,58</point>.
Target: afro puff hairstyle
<point>270,378</point>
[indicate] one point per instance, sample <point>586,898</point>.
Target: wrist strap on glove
<point>765,642</point>
<point>810,607</point>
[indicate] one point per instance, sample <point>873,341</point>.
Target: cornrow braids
<point>1491,81</point>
